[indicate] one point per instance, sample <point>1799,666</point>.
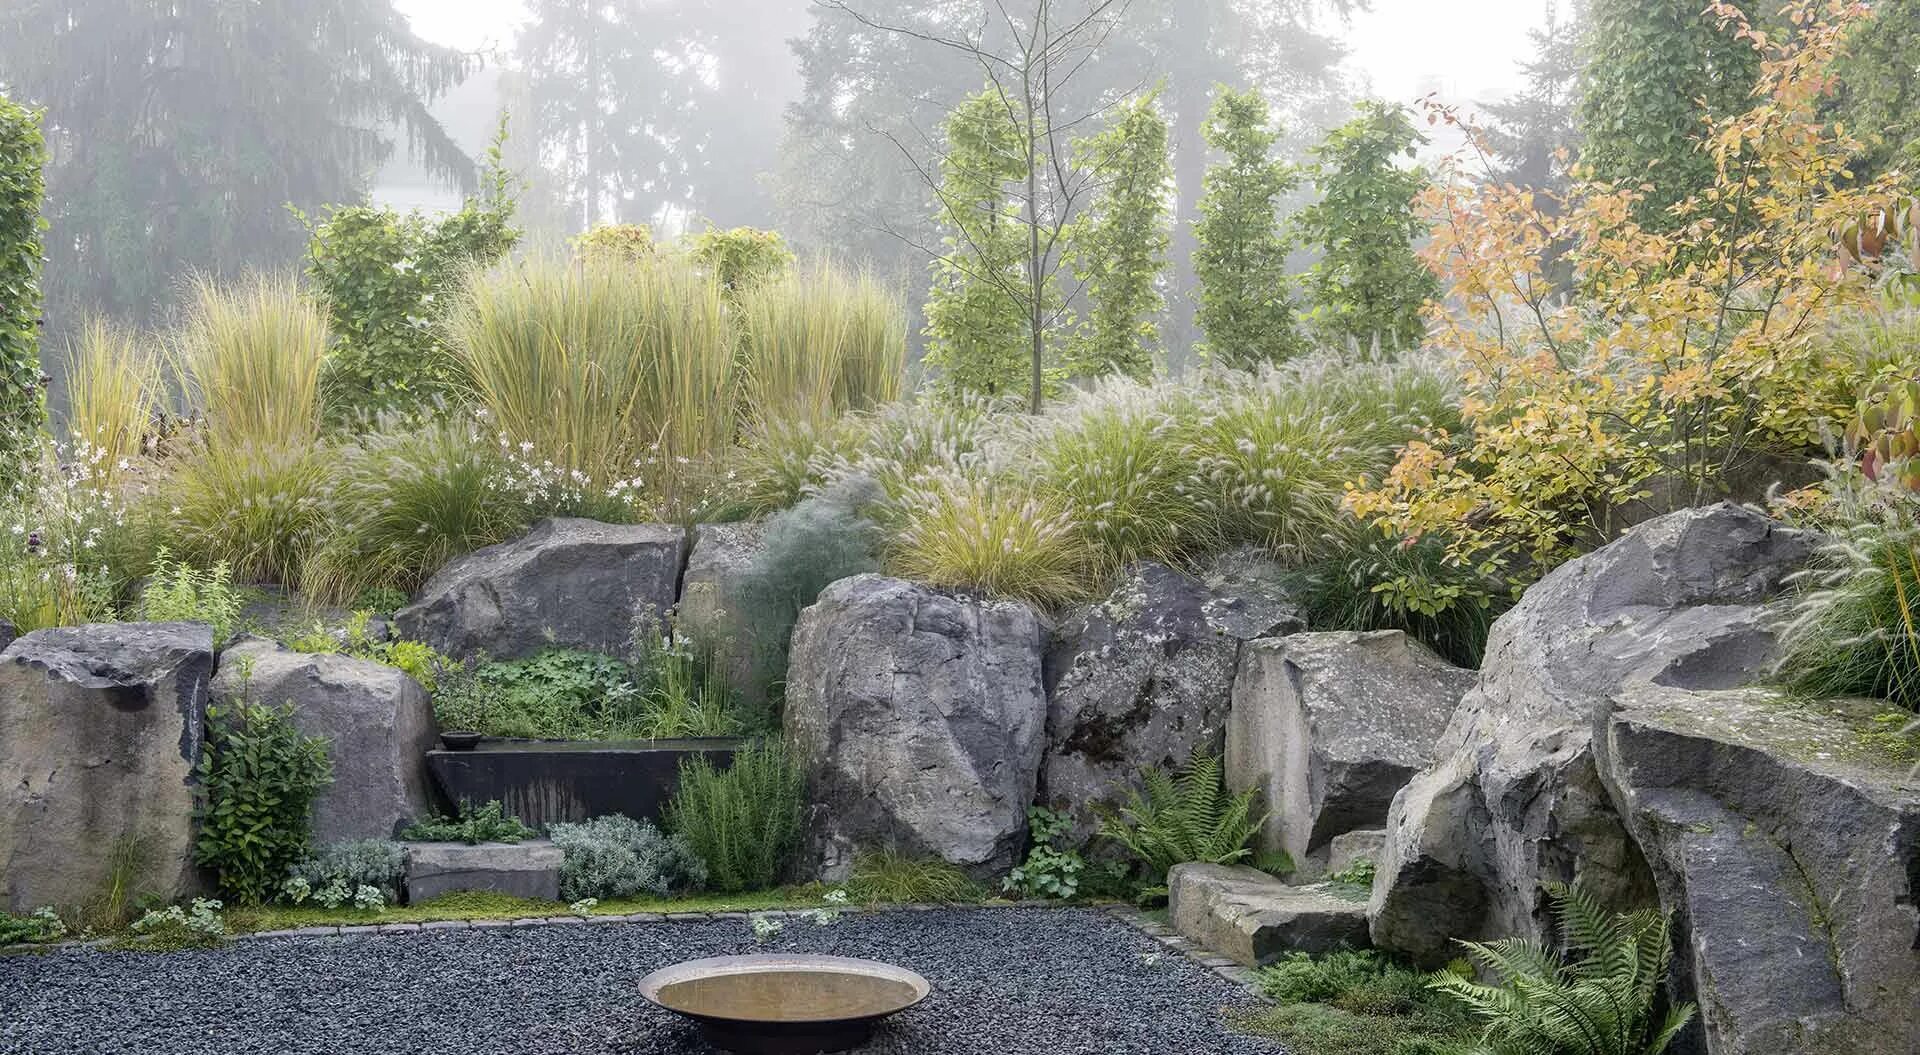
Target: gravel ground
<point>1005,982</point>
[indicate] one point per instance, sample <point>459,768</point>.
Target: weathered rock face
<point>377,720</point>
<point>710,608</point>
<point>1787,852</point>
<point>1329,726</point>
<point>100,729</point>
<point>1514,798</point>
<point>1255,919</point>
<point>7,633</point>
<point>1143,679</point>
<point>569,583</point>
<point>920,719</point>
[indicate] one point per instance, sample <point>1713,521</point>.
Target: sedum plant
<point>1601,1000</point>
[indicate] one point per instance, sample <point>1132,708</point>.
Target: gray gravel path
<point>1005,981</point>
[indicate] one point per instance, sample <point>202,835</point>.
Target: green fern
<point>1188,816</point>
<point>1599,1004</point>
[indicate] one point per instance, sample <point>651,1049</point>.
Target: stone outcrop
<point>378,723</point>
<point>1786,848</point>
<point>569,583</point>
<point>920,719</point>
<point>529,869</point>
<point>1254,919</point>
<point>101,727</point>
<point>1143,679</point>
<point>1329,726</point>
<point>711,609</point>
<point>1514,798</point>
<point>8,633</point>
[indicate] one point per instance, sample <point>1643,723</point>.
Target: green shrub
<point>258,779</point>
<point>1317,1029</point>
<point>385,278</point>
<point>418,661</point>
<point>744,820</point>
<point>1357,1002</point>
<point>42,925</point>
<point>58,534</point>
<point>335,873</point>
<point>1049,871</point>
<point>1856,622</point>
<point>558,694</point>
<point>177,592</point>
<point>403,502</point>
<point>1188,816</point>
<point>818,542</point>
<point>1411,586</point>
<point>1600,1003</point>
<point>621,243</point>
<point>474,825</point>
<point>23,152</point>
<point>618,857</point>
<point>741,257</point>
<point>892,878</point>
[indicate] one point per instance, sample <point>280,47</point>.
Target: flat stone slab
<point>1254,919</point>
<point>529,869</point>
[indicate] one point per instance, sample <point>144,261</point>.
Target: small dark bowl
<point>460,740</point>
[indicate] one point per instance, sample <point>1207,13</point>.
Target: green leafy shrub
<point>334,874</point>
<point>1408,585</point>
<point>199,927</point>
<point>258,779</point>
<point>889,877</point>
<point>1245,307</point>
<point>620,243</point>
<point>23,153</point>
<point>744,820</point>
<point>820,541</point>
<point>741,257</point>
<point>403,502</point>
<point>413,658</point>
<point>558,694</point>
<point>41,925</point>
<point>380,600</point>
<point>1599,1001</point>
<point>386,278</point>
<point>1048,872</point>
<point>474,825</point>
<point>618,857</point>
<point>177,592</point>
<point>1358,874</point>
<point>1188,816</point>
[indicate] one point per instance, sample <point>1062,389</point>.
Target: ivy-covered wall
<point>23,153</point>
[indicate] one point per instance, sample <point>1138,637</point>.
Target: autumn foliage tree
<point>1687,354</point>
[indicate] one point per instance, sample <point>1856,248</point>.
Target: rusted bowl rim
<point>725,966</point>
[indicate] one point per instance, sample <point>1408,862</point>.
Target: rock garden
<point>1548,688</point>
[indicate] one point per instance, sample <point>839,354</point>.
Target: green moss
<point>1316,1029</point>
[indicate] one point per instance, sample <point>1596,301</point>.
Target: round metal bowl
<point>785,1005</point>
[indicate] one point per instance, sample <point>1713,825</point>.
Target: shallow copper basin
<point>785,1005</point>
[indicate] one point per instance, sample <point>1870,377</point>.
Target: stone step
<point>1254,919</point>
<point>529,869</point>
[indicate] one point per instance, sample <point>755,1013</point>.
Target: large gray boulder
<point>1786,849</point>
<point>1142,679</point>
<point>569,583</point>
<point>378,723</point>
<point>1329,726</point>
<point>528,869</point>
<point>101,727</point>
<point>1254,919</point>
<point>1514,798</point>
<point>920,718</point>
<point>712,610</point>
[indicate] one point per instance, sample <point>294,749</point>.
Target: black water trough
<point>543,782</point>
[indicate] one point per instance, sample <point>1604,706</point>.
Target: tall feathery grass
<point>258,508</point>
<point>115,391</point>
<point>819,341</point>
<point>404,501</point>
<point>249,355</point>
<point>996,535</point>
<point>614,373</point>
<point>1855,629</point>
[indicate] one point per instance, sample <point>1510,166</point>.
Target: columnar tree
<point>976,313</point>
<point>22,153</point>
<point>1656,72</point>
<point>1246,310</point>
<point>1119,245</point>
<point>179,132</point>
<point>1367,286</point>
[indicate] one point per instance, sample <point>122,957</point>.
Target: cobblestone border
<point>1227,968</point>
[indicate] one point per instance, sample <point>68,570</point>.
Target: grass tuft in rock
<point>889,877</point>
